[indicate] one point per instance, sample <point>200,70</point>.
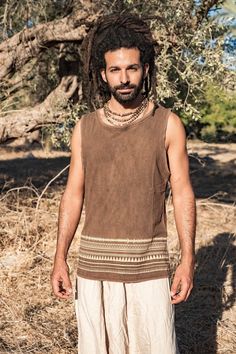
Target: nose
<point>124,77</point>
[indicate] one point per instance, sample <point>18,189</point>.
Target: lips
<point>125,91</point>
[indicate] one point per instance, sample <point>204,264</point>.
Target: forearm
<point>185,219</point>
<point>68,220</point>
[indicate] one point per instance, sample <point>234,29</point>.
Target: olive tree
<point>41,63</point>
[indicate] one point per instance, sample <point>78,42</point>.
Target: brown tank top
<point>124,237</point>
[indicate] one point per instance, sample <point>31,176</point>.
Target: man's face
<point>124,74</point>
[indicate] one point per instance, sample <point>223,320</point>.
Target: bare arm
<point>69,216</point>
<point>184,207</point>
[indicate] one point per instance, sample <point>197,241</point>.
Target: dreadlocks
<point>110,33</point>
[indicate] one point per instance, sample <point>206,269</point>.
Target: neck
<point>125,108</point>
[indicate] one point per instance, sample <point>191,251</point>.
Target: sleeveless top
<point>124,237</point>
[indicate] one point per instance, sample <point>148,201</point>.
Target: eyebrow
<point>128,67</point>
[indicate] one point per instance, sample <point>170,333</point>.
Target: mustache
<point>124,86</point>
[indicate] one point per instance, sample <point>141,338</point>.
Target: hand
<point>182,283</point>
<point>60,280</point>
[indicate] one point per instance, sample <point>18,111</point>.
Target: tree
<point>228,14</point>
<point>40,59</point>
<point>218,115</point>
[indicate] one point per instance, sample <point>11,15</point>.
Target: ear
<point>103,75</point>
<point>145,69</point>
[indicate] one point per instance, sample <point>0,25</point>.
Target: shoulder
<point>175,131</point>
<point>87,117</point>
<point>174,123</point>
<point>76,136</point>
<point>83,121</point>
<point>171,119</point>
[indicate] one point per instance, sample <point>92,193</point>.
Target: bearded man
<point>123,156</point>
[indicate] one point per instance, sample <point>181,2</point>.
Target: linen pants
<point>125,318</point>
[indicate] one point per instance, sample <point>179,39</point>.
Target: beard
<point>124,98</point>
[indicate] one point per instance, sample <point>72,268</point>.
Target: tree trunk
<point>16,51</point>
<point>19,123</point>
<point>19,49</point>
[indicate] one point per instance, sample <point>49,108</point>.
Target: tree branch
<point>19,49</point>
<point>203,10</point>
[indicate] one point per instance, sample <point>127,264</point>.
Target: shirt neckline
<point>108,126</point>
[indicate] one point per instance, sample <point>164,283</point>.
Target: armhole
<point>166,115</point>
<point>81,122</point>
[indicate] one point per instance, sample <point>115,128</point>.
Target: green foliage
<point>191,60</point>
<point>228,15</point>
<point>28,13</point>
<point>59,136</point>
<point>218,114</point>
<point>190,45</point>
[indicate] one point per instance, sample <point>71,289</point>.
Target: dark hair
<point>112,32</point>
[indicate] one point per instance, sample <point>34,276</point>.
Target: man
<point>123,155</point>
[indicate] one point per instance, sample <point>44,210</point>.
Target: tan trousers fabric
<point>125,318</point>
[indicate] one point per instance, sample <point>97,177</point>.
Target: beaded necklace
<point>118,118</point>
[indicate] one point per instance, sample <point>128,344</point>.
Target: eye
<point>114,70</point>
<point>133,69</point>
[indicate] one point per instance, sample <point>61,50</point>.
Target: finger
<point>56,287</point>
<point>178,298</point>
<point>188,293</point>
<point>60,292</point>
<point>181,296</point>
<point>66,283</point>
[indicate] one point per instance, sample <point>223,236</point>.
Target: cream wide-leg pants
<point>125,318</point>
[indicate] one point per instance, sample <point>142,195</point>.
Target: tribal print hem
<point>128,260</point>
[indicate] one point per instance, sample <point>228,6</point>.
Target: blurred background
<point>42,96</point>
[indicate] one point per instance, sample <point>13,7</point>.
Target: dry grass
<point>33,321</point>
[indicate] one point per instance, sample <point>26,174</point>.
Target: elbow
<point>183,194</point>
<point>71,195</point>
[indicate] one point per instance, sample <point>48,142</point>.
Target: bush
<point>218,116</point>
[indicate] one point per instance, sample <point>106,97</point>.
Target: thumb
<point>67,284</point>
<point>175,286</point>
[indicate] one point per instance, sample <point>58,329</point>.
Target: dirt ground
<point>33,321</point>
